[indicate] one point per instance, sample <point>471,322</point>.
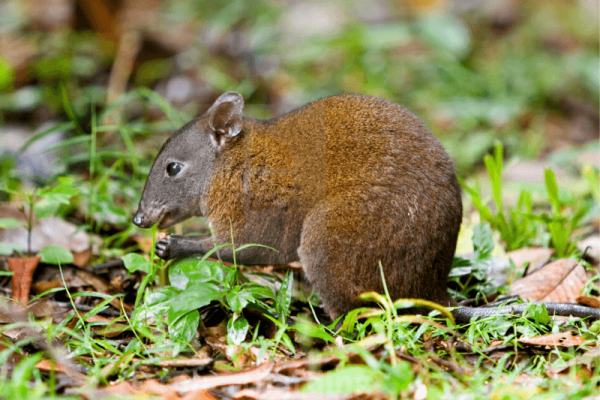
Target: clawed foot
<point>166,248</point>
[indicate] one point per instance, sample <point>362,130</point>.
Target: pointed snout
<point>140,220</point>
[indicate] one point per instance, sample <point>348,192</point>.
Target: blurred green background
<point>522,72</point>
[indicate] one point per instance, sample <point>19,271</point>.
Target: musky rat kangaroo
<point>340,184</point>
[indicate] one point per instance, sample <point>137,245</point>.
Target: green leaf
<point>483,240</point>
<point>45,208</point>
<point>258,291</point>
<point>10,223</point>
<point>400,377</point>
<point>495,173</point>
<point>552,189</point>
<point>54,254</point>
<point>538,312</point>
<point>61,193</point>
<point>387,35</point>
<point>237,330</point>
<point>6,74</point>
<point>6,249</point>
<point>50,200</point>
<point>237,299</point>
<point>284,295</point>
<point>350,379</point>
<point>195,296</point>
<point>185,327</point>
<point>136,262</point>
<point>313,331</point>
<point>192,270</point>
<point>157,303</point>
<point>448,33</point>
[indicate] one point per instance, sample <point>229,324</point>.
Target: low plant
<point>195,283</point>
<point>468,276</point>
<point>521,226</point>
<point>515,227</point>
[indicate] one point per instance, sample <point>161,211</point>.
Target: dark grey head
<point>183,167</point>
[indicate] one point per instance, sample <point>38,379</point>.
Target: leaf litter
<point>94,353</point>
<point>260,374</point>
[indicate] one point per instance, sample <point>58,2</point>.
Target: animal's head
<point>182,169</point>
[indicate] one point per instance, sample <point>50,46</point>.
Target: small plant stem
<point>389,319</point>
<point>214,238</point>
<point>232,244</point>
<point>92,169</point>
<point>30,222</point>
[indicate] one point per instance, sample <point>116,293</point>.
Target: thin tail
<point>464,314</point>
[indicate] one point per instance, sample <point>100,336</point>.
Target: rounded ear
<point>225,118</point>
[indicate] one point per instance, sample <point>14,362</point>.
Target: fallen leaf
<point>75,377</point>
<point>145,242</point>
<point>560,281</point>
<point>23,269</point>
<point>193,362</point>
<point>44,233</point>
<point>154,387</point>
<point>201,394</point>
<point>14,357</point>
<point>82,258</point>
<point>284,394</point>
<point>108,328</point>
<point>535,256</point>
<point>245,377</point>
<point>589,301</point>
<point>592,244</point>
<point>587,360</point>
<point>216,338</point>
<point>562,339</point>
<point>121,388</point>
<point>41,308</point>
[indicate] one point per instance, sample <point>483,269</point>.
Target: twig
<point>82,307</point>
<point>118,262</point>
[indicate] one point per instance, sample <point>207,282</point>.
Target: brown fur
<point>342,184</point>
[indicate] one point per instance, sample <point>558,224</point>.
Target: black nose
<point>138,219</point>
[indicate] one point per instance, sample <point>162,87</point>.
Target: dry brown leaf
<point>216,337</point>
<point>46,365</point>
<point>245,377</point>
<point>562,339</point>
<point>82,258</point>
<point>535,256</point>
<point>589,301</point>
<point>312,363</point>
<point>50,278</point>
<point>587,360</point>
<point>14,357</point>
<point>495,343</point>
<point>592,244</point>
<point>121,388</point>
<point>193,362</point>
<point>11,311</point>
<point>44,233</point>
<point>201,394</point>
<point>560,281</point>
<point>155,387</point>
<point>23,269</point>
<point>285,394</point>
<point>107,330</point>
<point>150,386</point>
<point>101,285</point>
<point>145,242</point>
<point>76,378</point>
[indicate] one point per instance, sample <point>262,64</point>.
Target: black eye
<point>173,168</point>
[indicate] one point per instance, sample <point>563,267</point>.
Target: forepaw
<point>167,248</point>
